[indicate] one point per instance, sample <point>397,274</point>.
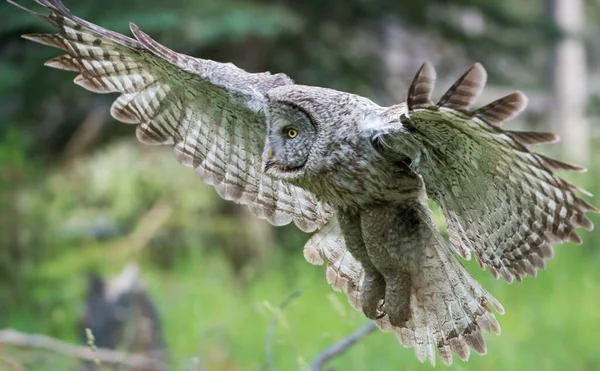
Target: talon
<point>373,294</point>
<point>380,309</point>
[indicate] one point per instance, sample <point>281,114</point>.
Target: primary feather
<point>502,202</point>
<point>374,166</point>
<point>210,112</point>
<point>446,308</point>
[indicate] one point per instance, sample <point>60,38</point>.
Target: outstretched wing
<point>502,202</point>
<point>211,113</point>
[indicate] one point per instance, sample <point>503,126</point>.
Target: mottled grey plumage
<point>502,202</point>
<point>358,173</point>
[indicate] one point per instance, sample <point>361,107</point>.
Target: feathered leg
<point>428,291</point>
<point>373,284</point>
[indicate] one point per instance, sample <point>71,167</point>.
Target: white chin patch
<point>376,126</point>
<point>371,123</point>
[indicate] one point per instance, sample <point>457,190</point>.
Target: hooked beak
<point>268,159</point>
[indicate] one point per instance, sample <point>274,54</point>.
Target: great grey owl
<point>356,173</point>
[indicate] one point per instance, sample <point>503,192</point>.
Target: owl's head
<point>291,135</point>
<point>308,127</point>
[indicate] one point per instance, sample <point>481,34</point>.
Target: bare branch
<point>86,133</point>
<point>148,225</point>
<point>341,346</point>
<point>37,341</point>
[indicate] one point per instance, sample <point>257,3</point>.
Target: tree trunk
<point>569,79</point>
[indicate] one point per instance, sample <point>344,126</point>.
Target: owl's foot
<point>397,299</point>
<point>373,294</point>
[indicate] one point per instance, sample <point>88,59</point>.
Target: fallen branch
<point>341,346</point>
<point>10,363</point>
<point>36,341</point>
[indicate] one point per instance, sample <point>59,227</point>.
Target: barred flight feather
<point>502,110</point>
<point>421,89</point>
<point>207,110</point>
<point>453,324</point>
<point>530,138</point>
<point>502,202</point>
<point>466,90</point>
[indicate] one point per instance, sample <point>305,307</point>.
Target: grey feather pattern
<point>210,112</point>
<point>502,202</point>
<point>421,88</point>
<point>375,166</point>
<point>502,110</point>
<point>449,310</point>
<point>531,138</point>
<point>466,89</point>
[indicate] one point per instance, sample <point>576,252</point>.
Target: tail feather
<point>450,310</point>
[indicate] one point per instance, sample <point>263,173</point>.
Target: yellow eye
<point>292,133</point>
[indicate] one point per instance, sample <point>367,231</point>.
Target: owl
<point>355,174</point>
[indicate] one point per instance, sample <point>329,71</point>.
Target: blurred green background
<point>79,194</point>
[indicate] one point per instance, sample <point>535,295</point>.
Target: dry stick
<point>11,364</point>
<point>271,327</point>
<point>86,133</point>
<point>341,346</point>
<point>148,226</point>
<point>36,341</point>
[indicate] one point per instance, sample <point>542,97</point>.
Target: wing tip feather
<point>63,62</point>
<point>51,40</point>
<point>558,165</point>
<point>463,93</point>
<point>585,206</point>
<point>421,88</point>
<point>503,109</point>
<point>530,138</point>
<point>313,256</point>
<point>145,136</point>
<point>134,28</point>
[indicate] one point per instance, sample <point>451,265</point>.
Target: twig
<point>37,341</point>
<point>341,346</point>
<point>271,328</point>
<point>148,225</point>
<point>86,133</point>
<point>12,365</point>
<point>91,342</point>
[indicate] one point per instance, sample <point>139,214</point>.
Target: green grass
<point>551,322</point>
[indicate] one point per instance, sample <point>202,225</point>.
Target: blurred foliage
<point>209,314</point>
<point>331,44</point>
<point>215,272</point>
